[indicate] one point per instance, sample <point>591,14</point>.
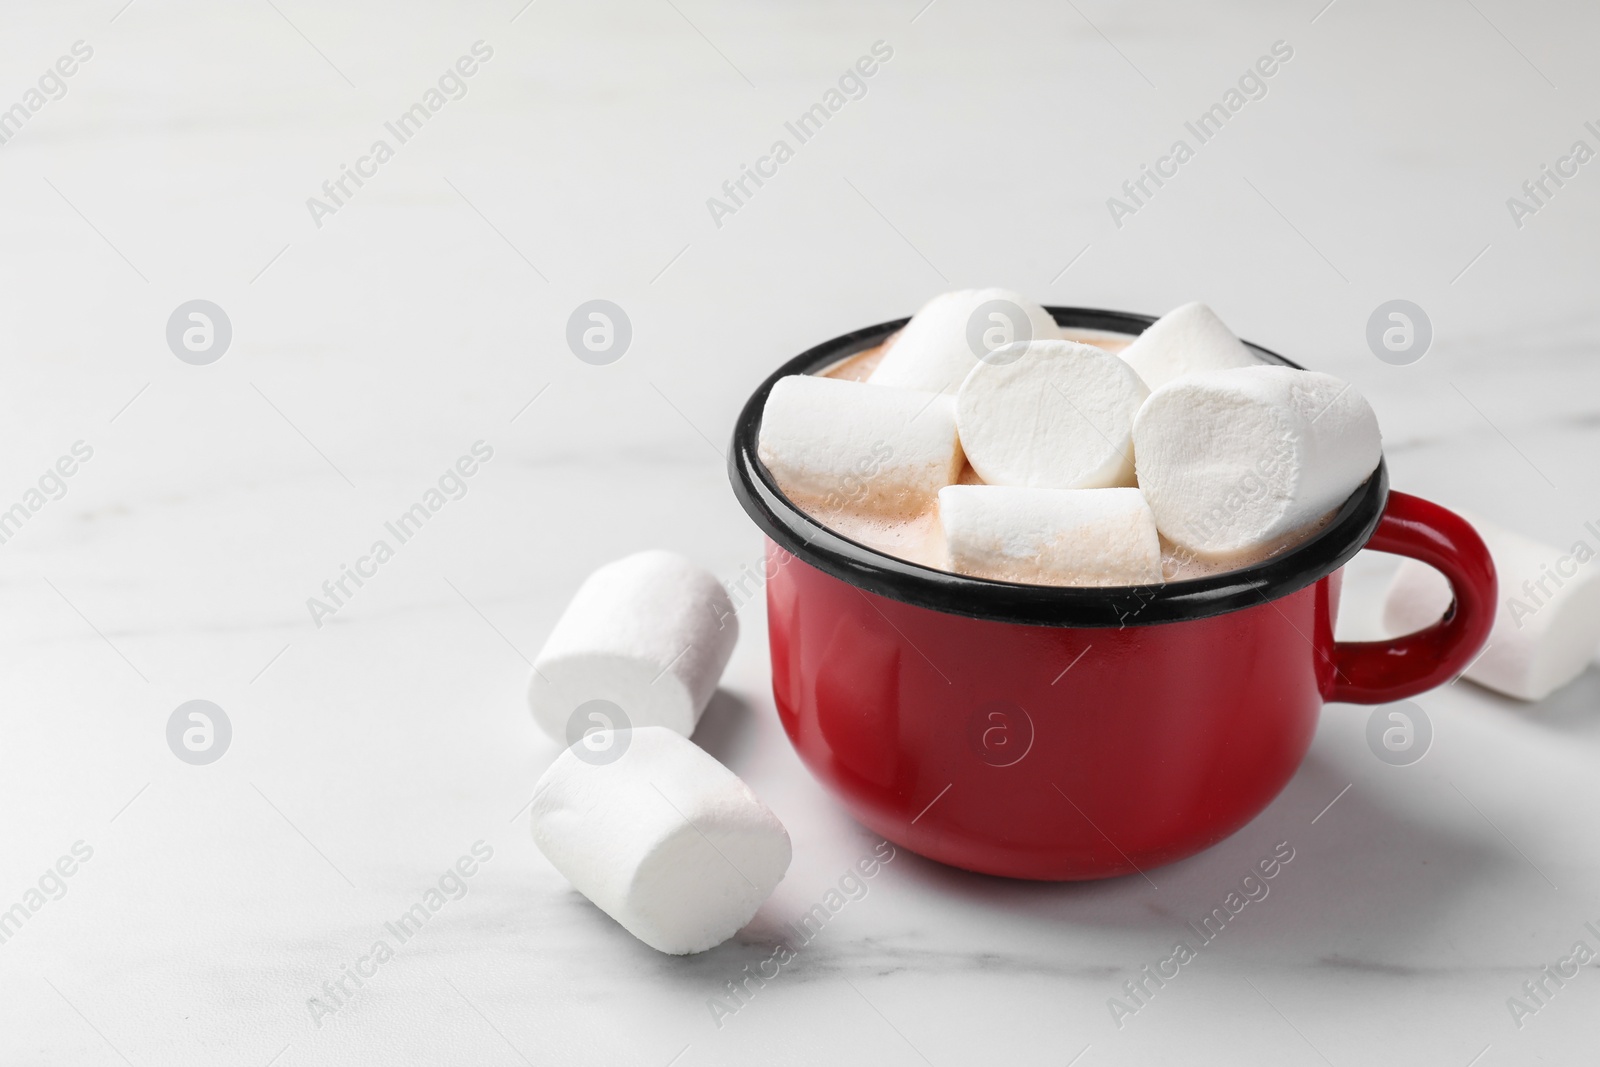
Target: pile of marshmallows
<point>679,851</point>
<point>641,820</point>
<point>672,844</point>
<point>1087,458</point>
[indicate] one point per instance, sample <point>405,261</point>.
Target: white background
<point>369,353</point>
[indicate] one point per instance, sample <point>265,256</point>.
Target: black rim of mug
<point>1036,605</point>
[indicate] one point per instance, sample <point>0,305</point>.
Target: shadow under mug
<point>1073,733</point>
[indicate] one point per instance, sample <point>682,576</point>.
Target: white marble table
<point>428,312</point>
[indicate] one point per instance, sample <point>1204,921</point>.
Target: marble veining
<point>430,312</point>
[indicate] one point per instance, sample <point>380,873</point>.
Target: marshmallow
<point>1548,621</point>
<point>662,838</point>
<point>1237,459</point>
<point>838,443</point>
<point>1183,341</point>
<point>1051,536</point>
<point>945,339</point>
<point>650,634</point>
<point>1051,415</point>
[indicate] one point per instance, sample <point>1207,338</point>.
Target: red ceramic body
<point>1061,753</point>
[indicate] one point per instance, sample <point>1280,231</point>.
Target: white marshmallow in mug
<point>946,337</point>
<point>1546,626</point>
<point>1051,536</point>
<point>1051,415</point>
<point>649,633</point>
<point>1186,340</point>
<point>835,443</point>
<point>660,836</point>
<point>1234,460</point>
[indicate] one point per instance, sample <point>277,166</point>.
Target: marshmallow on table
<point>1183,341</point>
<point>945,339</point>
<point>1234,460</point>
<point>841,443</point>
<point>1546,625</point>
<point>662,838</point>
<point>649,633</point>
<point>1051,536</point>
<point>1050,414</point>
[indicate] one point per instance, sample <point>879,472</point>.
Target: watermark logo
<point>995,324</point>
<point>851,85</point>
<point>451,885</point>
<point>850,887</point>
<point>51,886</point>
<point>742,588</point>
<point>598,732</point>
<point>198,732</point>
<point>452,485</point>
<point>1138,992</point>
<point>199,332</point>
<point>1399,734</point>
<point>1538,191</point>
<point>51,86</point>
<point>1399,332</point>
<point>599,332</point>
<point>1137,192</point>
<point>1535,588</point>
<point>1000,733</point>
<point>854,487</point>
<point>338,191</point>
<point>52,485</point>
<point>1552,978</point>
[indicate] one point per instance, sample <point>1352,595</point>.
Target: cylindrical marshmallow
<point>650,634</point>
<point>1547,624</point>
<point>1234,460</point>
<point>1051,536</point>
<point>1186,340</point>
<point>951,332</point>
<point>835,444</point>
<point>1051,415</point>
<point>662,838</point>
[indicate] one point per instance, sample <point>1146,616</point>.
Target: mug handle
<point>1378,672</point>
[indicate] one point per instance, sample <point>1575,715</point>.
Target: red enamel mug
<point>1073,733</point>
